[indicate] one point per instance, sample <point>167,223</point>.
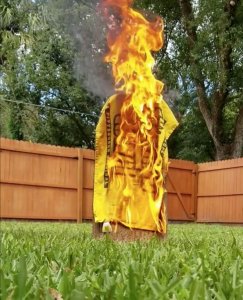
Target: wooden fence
<point>56,183</point>
<point>180,184</point>
<point>220,191</point>
<point>45,182</point>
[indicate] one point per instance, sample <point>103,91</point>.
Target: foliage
<point>202,61</point>
<point>40,72</point>
<point>63,261</point>
<point>191,141</point>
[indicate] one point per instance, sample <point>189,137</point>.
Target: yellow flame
<point>131,38</point>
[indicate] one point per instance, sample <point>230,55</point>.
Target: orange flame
<point>131,38</point>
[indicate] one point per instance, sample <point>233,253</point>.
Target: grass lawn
<point>63,261</point>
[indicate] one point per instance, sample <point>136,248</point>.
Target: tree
<point>219,91</point>
<point>43,101</point>
<point>202,59</point>
<point>51,56</point>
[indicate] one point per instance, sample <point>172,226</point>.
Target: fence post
<point>80,186</point>
<point>195,189</point>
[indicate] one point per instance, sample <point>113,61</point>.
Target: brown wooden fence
<point>45,182</point>
<point>220,191</point>
<point>181,182</point>
<point>56,183</point>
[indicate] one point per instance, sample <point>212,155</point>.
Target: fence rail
<point>56,183</point>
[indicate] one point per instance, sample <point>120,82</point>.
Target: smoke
<point>172,97</point>
<point>82,22</point>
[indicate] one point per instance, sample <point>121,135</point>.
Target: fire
<point>137,161</point>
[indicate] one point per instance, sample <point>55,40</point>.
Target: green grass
<point>47,260</point>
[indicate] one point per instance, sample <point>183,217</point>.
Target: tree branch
<point>188,18</point>
<point>226,49</point>
<point>162,52</point>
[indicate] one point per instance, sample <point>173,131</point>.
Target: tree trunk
<point>223,152</point>
<point>237,149</point>
<point>213,115</point>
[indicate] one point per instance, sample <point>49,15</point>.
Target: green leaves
<point>37,62</point>
<point>205,56</point>
<point>63,261</point>
<point>20,279</point>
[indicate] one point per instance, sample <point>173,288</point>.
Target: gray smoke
<point>172,97</point>
<point>82,22</point>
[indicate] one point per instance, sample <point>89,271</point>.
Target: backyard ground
<point>63,261</point>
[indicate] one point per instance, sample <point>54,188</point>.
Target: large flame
<point>131,38</point>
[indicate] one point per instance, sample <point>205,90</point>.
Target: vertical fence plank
<point>1,174</point>
<point>195,189</point>
<point>88,184</point>
<point>80,186</point>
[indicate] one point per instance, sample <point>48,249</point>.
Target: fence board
<point>28,147</point>
<point>27,202</point>
<point>181,192</point>
<point>38,169</point>
<point>80,186</point>
<point>88,204</point>
<point>220,191</point>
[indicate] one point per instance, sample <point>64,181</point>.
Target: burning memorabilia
<point>135,124</point>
